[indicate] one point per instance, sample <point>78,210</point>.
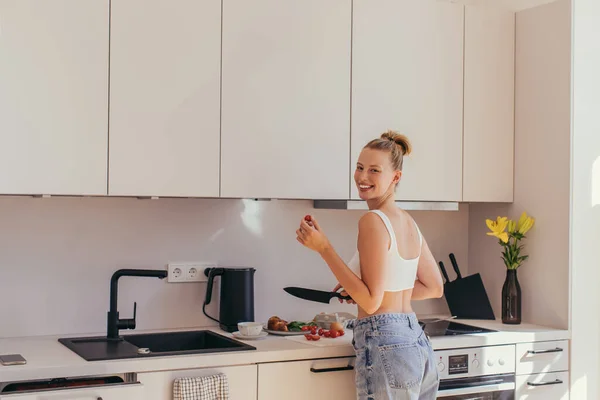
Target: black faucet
<point>114,323</point>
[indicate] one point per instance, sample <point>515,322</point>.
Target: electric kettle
<point>236,298</point>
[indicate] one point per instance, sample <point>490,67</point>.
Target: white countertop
<point>47,358</point>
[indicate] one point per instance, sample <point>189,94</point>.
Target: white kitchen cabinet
<point>333,378</point>
<point>133,391</point>
<point>286,99</point>
<point>53,96</point>
<point>165,98</point>
<point>538,357</point>
<point>489,104</point>
<point>242,381</point>
<point>407,75</point>
<point>547,386</point>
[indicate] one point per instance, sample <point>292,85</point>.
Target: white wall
<point>585,202</point>
<point>542,167</point>
<point>57,256</point>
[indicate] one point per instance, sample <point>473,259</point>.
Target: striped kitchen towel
<point>212,387</point>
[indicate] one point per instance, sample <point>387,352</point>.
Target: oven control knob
<point>475,363</point>
<point>501,361</point>
<point>490,363</point>
<point>441,366</point>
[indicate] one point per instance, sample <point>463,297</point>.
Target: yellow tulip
<point>525,223</point>
<point>511,226</point>
<point>497,228</point>
<point>502,236</point>
<point>522,221</point>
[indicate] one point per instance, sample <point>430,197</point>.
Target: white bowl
<point>250,328</point>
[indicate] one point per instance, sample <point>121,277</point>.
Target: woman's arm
<point>373,244</point>
<point>429,279</point>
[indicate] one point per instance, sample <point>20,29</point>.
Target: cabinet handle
<point>346,368</point>
<point>556,350</point>
<point>555,382</point>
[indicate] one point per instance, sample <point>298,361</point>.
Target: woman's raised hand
<point>310,235</point>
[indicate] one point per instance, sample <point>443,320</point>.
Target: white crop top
<point>400,273</point>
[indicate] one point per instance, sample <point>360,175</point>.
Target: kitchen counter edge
<point>48,359</point>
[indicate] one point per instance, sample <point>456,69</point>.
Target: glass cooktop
<point>449,328</point>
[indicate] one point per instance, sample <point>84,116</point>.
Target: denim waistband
<point>410,319</point>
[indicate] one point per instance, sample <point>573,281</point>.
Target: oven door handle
<point>476,389</point>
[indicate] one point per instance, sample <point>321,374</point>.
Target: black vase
<point>511,298</point>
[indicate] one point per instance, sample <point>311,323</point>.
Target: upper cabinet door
<point>407,75</point>
<point>53,96</point>
<point>164,98</point>
<point>489,104</point>
<point>286,98</point>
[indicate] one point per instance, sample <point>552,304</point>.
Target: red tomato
<point>316,337</point>
<point>313,330</point>
<point>326,333</point>
<point>341,333</point>
<point>305,328</point>
<point>333,334</point>
<point>320,332</point>
<point>308,336</point>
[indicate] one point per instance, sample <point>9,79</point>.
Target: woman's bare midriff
<point>393,302</point>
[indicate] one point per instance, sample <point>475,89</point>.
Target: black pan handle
<point>455,266</point>
<point>443,269</point>
<point>318,371</point>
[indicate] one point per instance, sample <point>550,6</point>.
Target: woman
<point>392,266</point>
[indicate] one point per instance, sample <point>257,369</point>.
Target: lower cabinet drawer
<point>548,386</point>
<point>125,391</point>
<point>241,380</point>
<point>298,380</point>
<point>533,358</point>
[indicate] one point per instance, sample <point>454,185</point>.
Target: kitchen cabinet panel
<point>547,386</point>
<point>332,376</point>
<point>542,357</point>
<point>54,96</point>
<point>407,75</point>
<point>134,391</point>
<point>242,381</point>
<point>489,104</point>
<point>165,98</point>
<point>286,99</point>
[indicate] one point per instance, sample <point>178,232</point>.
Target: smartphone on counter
<point>12,359</point>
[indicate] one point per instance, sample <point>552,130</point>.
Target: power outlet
<point>188,272</point>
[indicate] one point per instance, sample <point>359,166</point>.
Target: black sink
<point>152,344</point>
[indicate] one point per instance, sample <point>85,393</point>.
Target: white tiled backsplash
<point>57,256</point>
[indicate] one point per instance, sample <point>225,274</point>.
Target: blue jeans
<point>394,358</point>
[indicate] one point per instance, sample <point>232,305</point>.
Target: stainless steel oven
<point>477,373</point>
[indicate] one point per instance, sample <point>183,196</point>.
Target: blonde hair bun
<point>398,138</point>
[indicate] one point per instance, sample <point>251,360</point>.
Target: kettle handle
<point>211,273</point>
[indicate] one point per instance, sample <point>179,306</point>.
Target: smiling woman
<point>392,266</point>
